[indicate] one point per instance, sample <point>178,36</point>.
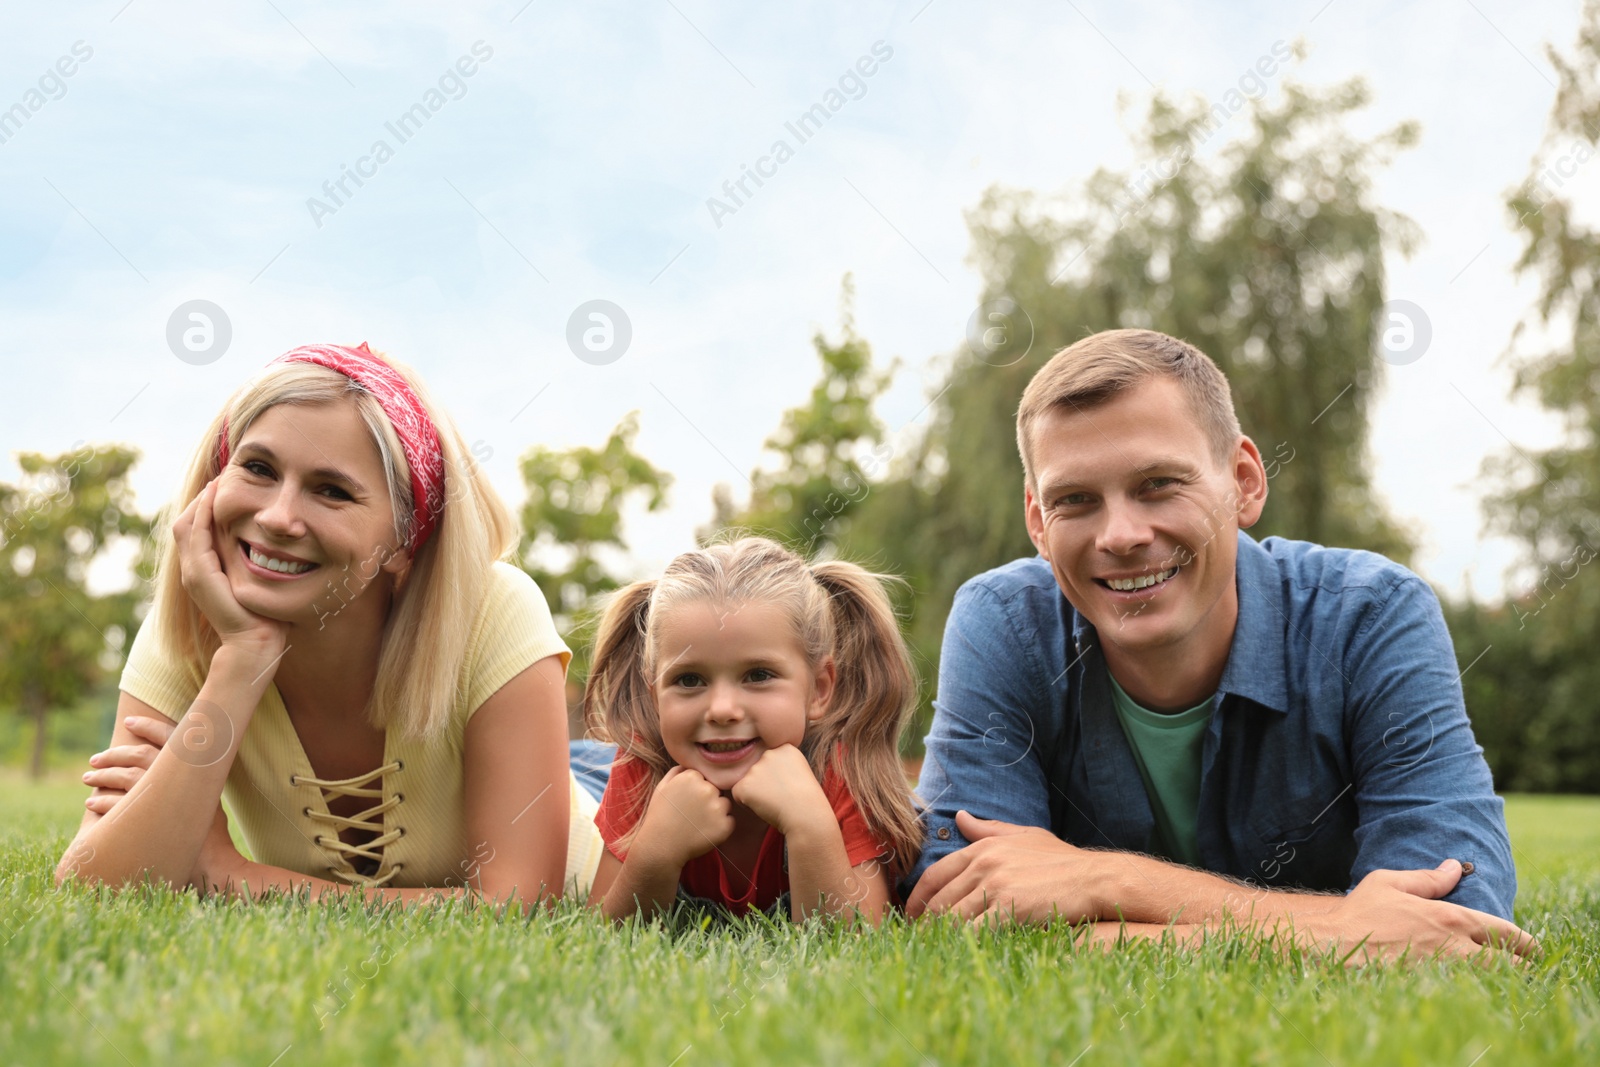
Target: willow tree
<point>1268,254</point>
<point>1551,499</point>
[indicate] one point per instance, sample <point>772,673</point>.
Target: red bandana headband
<point>419,440</point>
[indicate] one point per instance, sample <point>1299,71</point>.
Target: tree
<point>823,473</point>
<point>1551,500</point>
<point>573,515</point>
<point>1532,732</point>
<point>1269,258</point>
<point>58,640</point>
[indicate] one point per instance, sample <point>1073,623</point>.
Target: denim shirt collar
<point>1256,668</point>
<point>1257,662</point>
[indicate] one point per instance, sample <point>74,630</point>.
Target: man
<point>1273,720</point>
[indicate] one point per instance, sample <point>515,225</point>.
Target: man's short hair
<point>1097,368</point>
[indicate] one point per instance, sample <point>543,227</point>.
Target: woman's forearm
<point>248,880</point>
<point>157,829</point>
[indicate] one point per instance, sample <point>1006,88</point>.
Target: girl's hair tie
<point>419,439</point>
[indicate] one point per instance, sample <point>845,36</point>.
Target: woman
<point>335,648</point>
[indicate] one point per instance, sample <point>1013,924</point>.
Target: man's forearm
<point>1109,933</point>
<point>1141,889</point>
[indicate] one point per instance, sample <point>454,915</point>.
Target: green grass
<point>162,978</point>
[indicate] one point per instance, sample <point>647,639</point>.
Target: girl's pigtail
<point>618,702</point>
<point>874,697</point>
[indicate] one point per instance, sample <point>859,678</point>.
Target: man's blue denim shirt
<point>1339,743</point>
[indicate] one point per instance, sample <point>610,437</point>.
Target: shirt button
<point>943,833</point>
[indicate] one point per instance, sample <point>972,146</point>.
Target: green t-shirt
<point>1167,750</point>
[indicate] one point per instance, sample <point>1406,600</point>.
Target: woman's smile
<point>273,565</point>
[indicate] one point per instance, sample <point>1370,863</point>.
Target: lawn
<point>161,978</point>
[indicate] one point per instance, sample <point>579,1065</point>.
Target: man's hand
<point>1009,871</point>
<point>1028,873</point>
<point>781,789</point>
<point>1394,913</point>
<point>687,817</point>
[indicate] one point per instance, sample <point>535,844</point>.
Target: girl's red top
<point>706,876</point>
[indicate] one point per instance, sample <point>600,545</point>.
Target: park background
<point>832,353</point>
<point>1381,219</point>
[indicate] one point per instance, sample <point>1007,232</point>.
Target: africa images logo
<point>406,126</point>
<point>802,128</point>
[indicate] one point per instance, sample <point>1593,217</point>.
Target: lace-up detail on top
<point>366,859</point>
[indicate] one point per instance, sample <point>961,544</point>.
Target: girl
<point>336,649</point>
<point>757,705</point>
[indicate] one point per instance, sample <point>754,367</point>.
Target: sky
<point>456,184</point>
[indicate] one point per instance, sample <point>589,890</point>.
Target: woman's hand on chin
<point>207,583</point>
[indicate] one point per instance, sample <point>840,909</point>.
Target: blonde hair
<point>837,609</point>
<point>1097,368</point>
<point>431,617</point>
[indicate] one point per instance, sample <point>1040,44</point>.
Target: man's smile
<point>1134,583</point>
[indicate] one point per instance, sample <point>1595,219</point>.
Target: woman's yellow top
<point>418,800</point>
